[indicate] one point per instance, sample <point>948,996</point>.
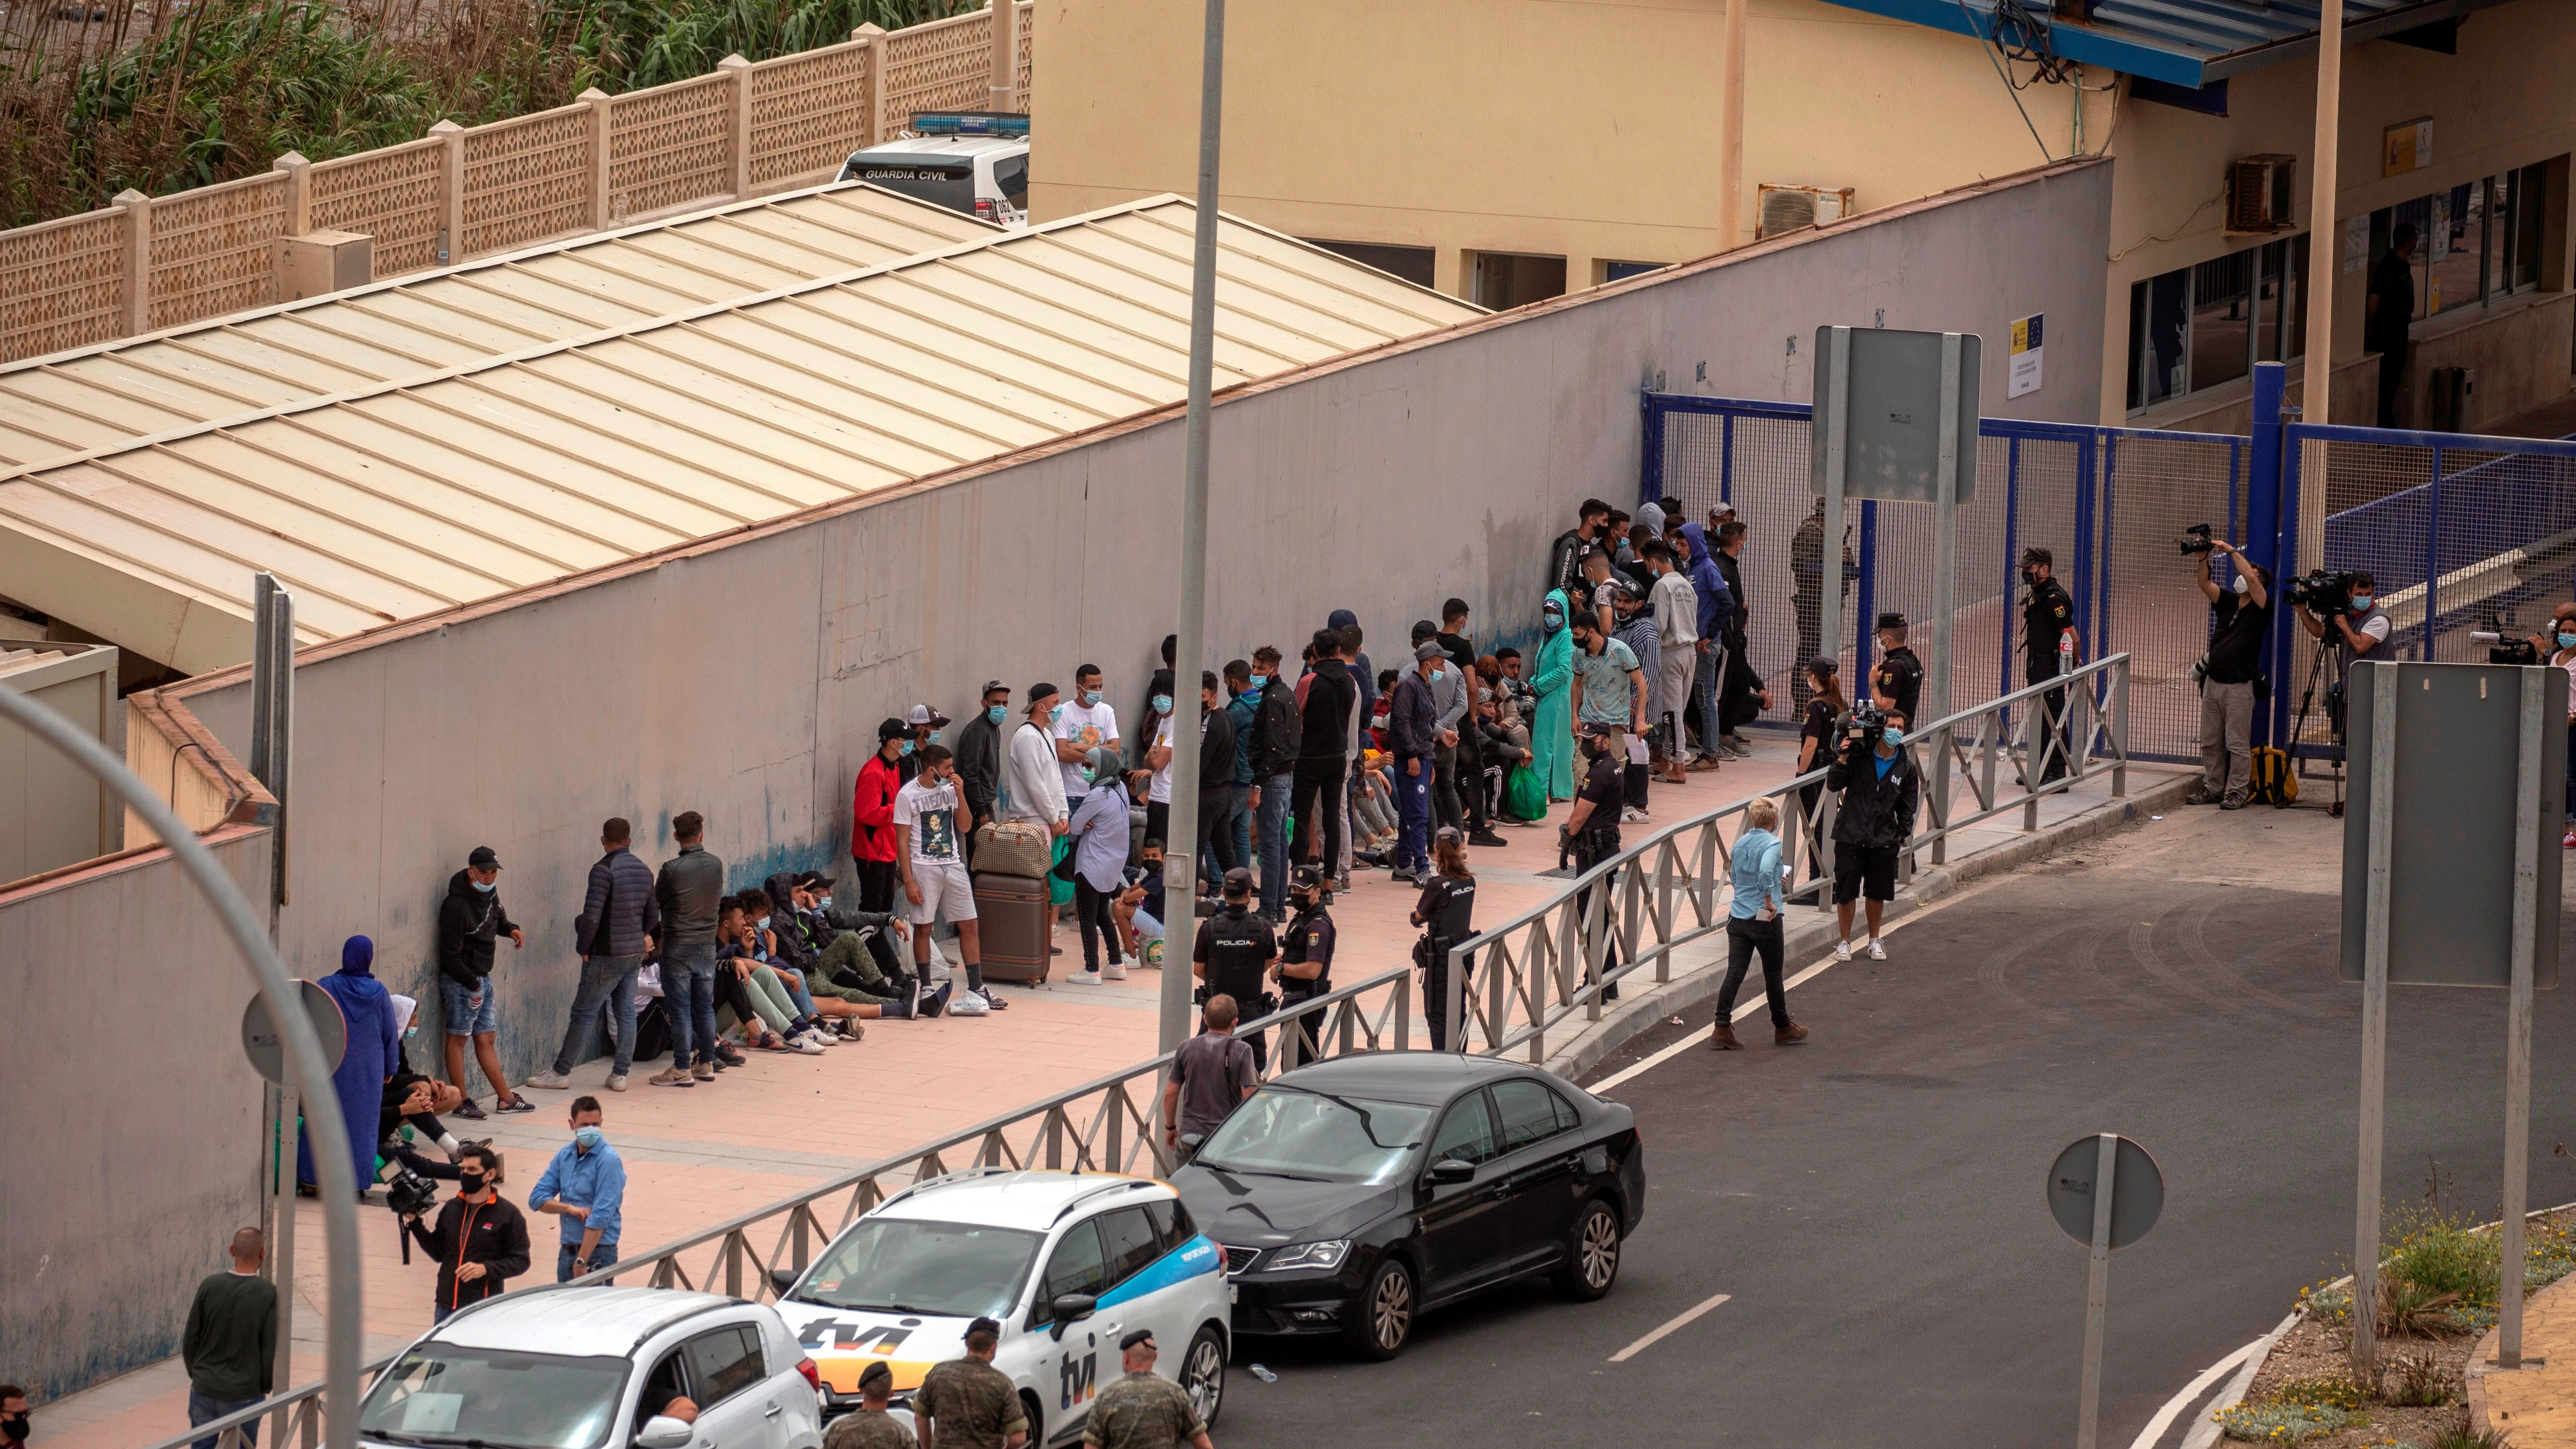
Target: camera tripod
<point>2307,697</point>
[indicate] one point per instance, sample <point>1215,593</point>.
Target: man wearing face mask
<point>1084,724</point>
<point>1881,789</point>
<point>2240,620</point>
<point>1271,748</point>
<point>585,1186</point>
<point>481,1241</point>
<point>2047,623</point>
<point>929,727</point>
<point>1305,967</point>
<point>470,923</point>
<point>979,756</point>
<point>1552,702</point>
<point>2362,627</point>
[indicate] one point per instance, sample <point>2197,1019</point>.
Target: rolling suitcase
<point>1014,911</point>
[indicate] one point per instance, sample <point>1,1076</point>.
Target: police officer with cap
<point>2047,620</point>
<point>1305,969</point>
<point>870,1426</point>
<point>1234,950</point>
<point>1143,1410</point>
<point>1898,682</point>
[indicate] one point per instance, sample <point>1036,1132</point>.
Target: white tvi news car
<point>1068,1263</point>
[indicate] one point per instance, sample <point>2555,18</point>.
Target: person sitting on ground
<point>1139,907</point>
<point>765,918</point>
<point>750,991</point>
<point>849,962</point>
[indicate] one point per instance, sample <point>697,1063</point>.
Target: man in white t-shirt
<point>931,821</point>
<point>1086,723</point>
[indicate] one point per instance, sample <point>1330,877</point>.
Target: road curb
<point>1815,933</point>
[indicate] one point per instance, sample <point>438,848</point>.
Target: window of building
<point>1512,279</point>
<point>2203,326</point>
<point>1621,271</point>
<point>1411,263</point>
<point>2474,243</point>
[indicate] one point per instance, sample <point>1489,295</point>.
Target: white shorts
<point>946,890</point>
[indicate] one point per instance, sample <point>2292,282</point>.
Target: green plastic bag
<point>1059,890</point>
<point>1525,795</point>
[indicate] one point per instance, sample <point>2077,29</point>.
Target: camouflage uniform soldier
<point>871,1427</point>
<point>966,1403</point>
<point>1143,1410</point>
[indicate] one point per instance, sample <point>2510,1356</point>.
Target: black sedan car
<point>1353,1195</point>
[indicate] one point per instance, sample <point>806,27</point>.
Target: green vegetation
<point>2284,1423</point>
<point>2439,1274</point>
<point>216,90</point>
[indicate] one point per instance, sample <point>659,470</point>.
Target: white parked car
<point>1067,1263</point>
<point>589,1368</point>
<point>970,161</point>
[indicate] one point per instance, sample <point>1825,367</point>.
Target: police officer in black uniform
<point>2048,617</point>
<point>1305,969</point>
<point>1591,830</point>
<point>1233,954</point>
<point>1446,912</point>
<point>1898,682</point>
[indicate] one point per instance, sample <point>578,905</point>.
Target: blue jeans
<point>605,981</point>
<point>1704,688</point>
<point>469,1013</point>
<point>1413,813</point>
<point>1274,845</point>
<point>603,1256</point>
<point>201,1409</point>
<point>689,996</point>
<point>796,992</point>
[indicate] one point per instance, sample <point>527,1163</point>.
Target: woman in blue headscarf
<point>374,1051</point>
<point>1552,724</point>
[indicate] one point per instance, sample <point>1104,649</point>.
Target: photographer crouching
<point>2358,623</point>
<point>1881,789</point>
<point>481,1241</point>
<point>2240,620</point>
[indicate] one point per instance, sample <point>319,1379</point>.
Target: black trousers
<point>1590,849</point>
<point>878,880</point>
<point>2392,380</point>
<point>1091,909</point>
<point>1471,779</point>
<point>1435,993</point>
<point>1744,938</point>
<point>1444,787</point>
<point>1311,808</point>
<point>2051,728</point>
<point>1301,1040</point>
<point>1214,838</point>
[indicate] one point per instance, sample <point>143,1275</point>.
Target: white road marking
<point>1632,1350</point>
<point>2190,1395</point>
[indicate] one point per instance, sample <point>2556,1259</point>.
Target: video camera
<point>2321,593</point>
<point>1866,727</point>
<point>2195,539</point>
<point>407,1192</point>
<point>2502,649</point>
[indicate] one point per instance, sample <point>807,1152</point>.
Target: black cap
<point>483,859</point>
<point>1143,1335</point>
<point>1041,690</point>
<point>1595,730</point>
<point>1307,877</point>
<point>878,1377</point>
<point>1824,664</point>
<point>891,728</point>
<point>992,1326</point>
<point>1891,621</point>
<point>1238,882</point>
<point>1449,832</point>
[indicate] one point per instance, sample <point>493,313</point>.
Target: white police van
<point>976,162</point>
<point>1067,1263</point>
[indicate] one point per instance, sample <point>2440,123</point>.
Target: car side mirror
<point>783,1279</point>
<point>1449,1170</point>
<point>1070,1309</point>
<point>664,1432</point>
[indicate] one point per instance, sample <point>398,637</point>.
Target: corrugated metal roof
<point>2182,42</point>
<point>96,397</point>
<point>402,499</point>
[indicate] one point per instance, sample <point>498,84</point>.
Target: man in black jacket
<point>979,756</point>
<point>481,1241</point>
<point>470,923</point>
<point>1324,737</point>
<point>1565,557</point>
<point>617,921</point>
<point>1881,789</point>
<point>688,889</point>
<point>1412,736</point>
<point>1273,747</point>
<point>1216,777</point>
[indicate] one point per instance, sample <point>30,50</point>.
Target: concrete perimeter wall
<point>130,1118</point>
<point>743,677</point>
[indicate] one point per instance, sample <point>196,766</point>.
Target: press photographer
<point>1880,789</point>
<point>481,1241</point>
<point>2240,619</point>
<point>2346,601</point>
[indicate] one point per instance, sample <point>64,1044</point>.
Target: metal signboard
<point>267,1049</point>
<point>1881,398</point>
<point>2106,1192</point>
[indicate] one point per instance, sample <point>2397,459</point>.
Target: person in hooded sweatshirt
<point>1552,723</point>
<point>374,1050</point>
<point>470,925</point>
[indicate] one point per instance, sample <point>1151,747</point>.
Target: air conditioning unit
<point>1781,207</point>
<point>2259,193</point>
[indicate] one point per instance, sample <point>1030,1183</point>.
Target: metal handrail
<point>1563,958</point>
<point>1104,1145</point>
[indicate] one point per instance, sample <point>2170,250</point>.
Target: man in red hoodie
<point>872,835</point>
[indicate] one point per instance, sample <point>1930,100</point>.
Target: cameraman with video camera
<point>1881,788</point>
<point>2240,620</point>
<point>2359,627</point>
<point>481,1240</point>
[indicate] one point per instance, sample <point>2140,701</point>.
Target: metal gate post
<point>2263,513</point>
<point>1726,459</point>
<point>1864,618</point>
<point>2432,552</point>
<point>2284,652</point>
<point>1650,482</point>
<point>2012,576</point>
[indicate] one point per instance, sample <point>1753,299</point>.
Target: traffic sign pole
<point>2097,1290</point>
<point>2517,1051</point>
<point>2374,1036</point>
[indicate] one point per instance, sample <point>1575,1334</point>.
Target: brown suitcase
<point>1014,911</point>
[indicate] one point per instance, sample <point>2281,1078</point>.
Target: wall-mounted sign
<point>2022,376</point>
<point>2406,146</point>
<point>2356,243</point>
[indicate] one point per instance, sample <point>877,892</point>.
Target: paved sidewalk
<point>697,1157</point>
<point>2536,1404</point>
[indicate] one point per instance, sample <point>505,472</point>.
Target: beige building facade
<point>1502,150</point>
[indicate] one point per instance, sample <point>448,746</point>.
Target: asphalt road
<point>1872,1199</point>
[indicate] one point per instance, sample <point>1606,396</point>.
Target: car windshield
<point>442,1393</point>
<point>1290,1132</point>
<point>899,1266</point>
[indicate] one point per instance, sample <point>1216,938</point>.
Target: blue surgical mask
<point>588,1137</point>
<point>934,736</point>
<point>2567,641</point>
<point>1438,675</point>
<point>2360,602</point>
<point>486,886</point>
<point>1894,736</point>
<point>1162,704</point>
<point>823,903</point>
<point>907,748</point>
<point>763,923</point>
<point>1090,697</point>
<point>997,713</point>
<point>1089,775</point>
<point>1054,712</point>
<point>1552,620</point>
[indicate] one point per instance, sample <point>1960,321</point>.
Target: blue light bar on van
<point>969,123</point>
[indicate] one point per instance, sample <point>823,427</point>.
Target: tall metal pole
<point>2517,1051</point>
<point>2097,1293</point>
<point>305,1065</point>
<point>1180,853</point>
<point>1730,130</point>
<point>1957,456</point>
<point>1829,555</point>
<point>2374,1024</point>
<point>272,685</point>
<point>2325,264</point>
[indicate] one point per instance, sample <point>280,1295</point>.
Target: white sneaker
<point>617,1082</point>
<point>1113,973</point>
<point>1082,978</point>
<point>551,1081</point>
<point>807,1045</point>
<point>1633,815</point>
<point>1842,950</point>
<point>815,1037</point>
<point>1877,952</point>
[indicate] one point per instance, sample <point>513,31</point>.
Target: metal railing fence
<point>1634,911</point>
<point>1099,1126</point>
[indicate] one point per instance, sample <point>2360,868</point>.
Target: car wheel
<point>1030,1410</point>
<point>1386,1308</point>
<point>1203,1373</point>
<point>1592,1255</point>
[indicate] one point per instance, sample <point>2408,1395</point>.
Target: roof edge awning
<point>2182,42</point>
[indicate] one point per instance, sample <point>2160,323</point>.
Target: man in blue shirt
<point>585,1186</point>
<point>1753,926</point>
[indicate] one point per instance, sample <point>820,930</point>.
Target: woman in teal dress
<point>1552,724</point>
